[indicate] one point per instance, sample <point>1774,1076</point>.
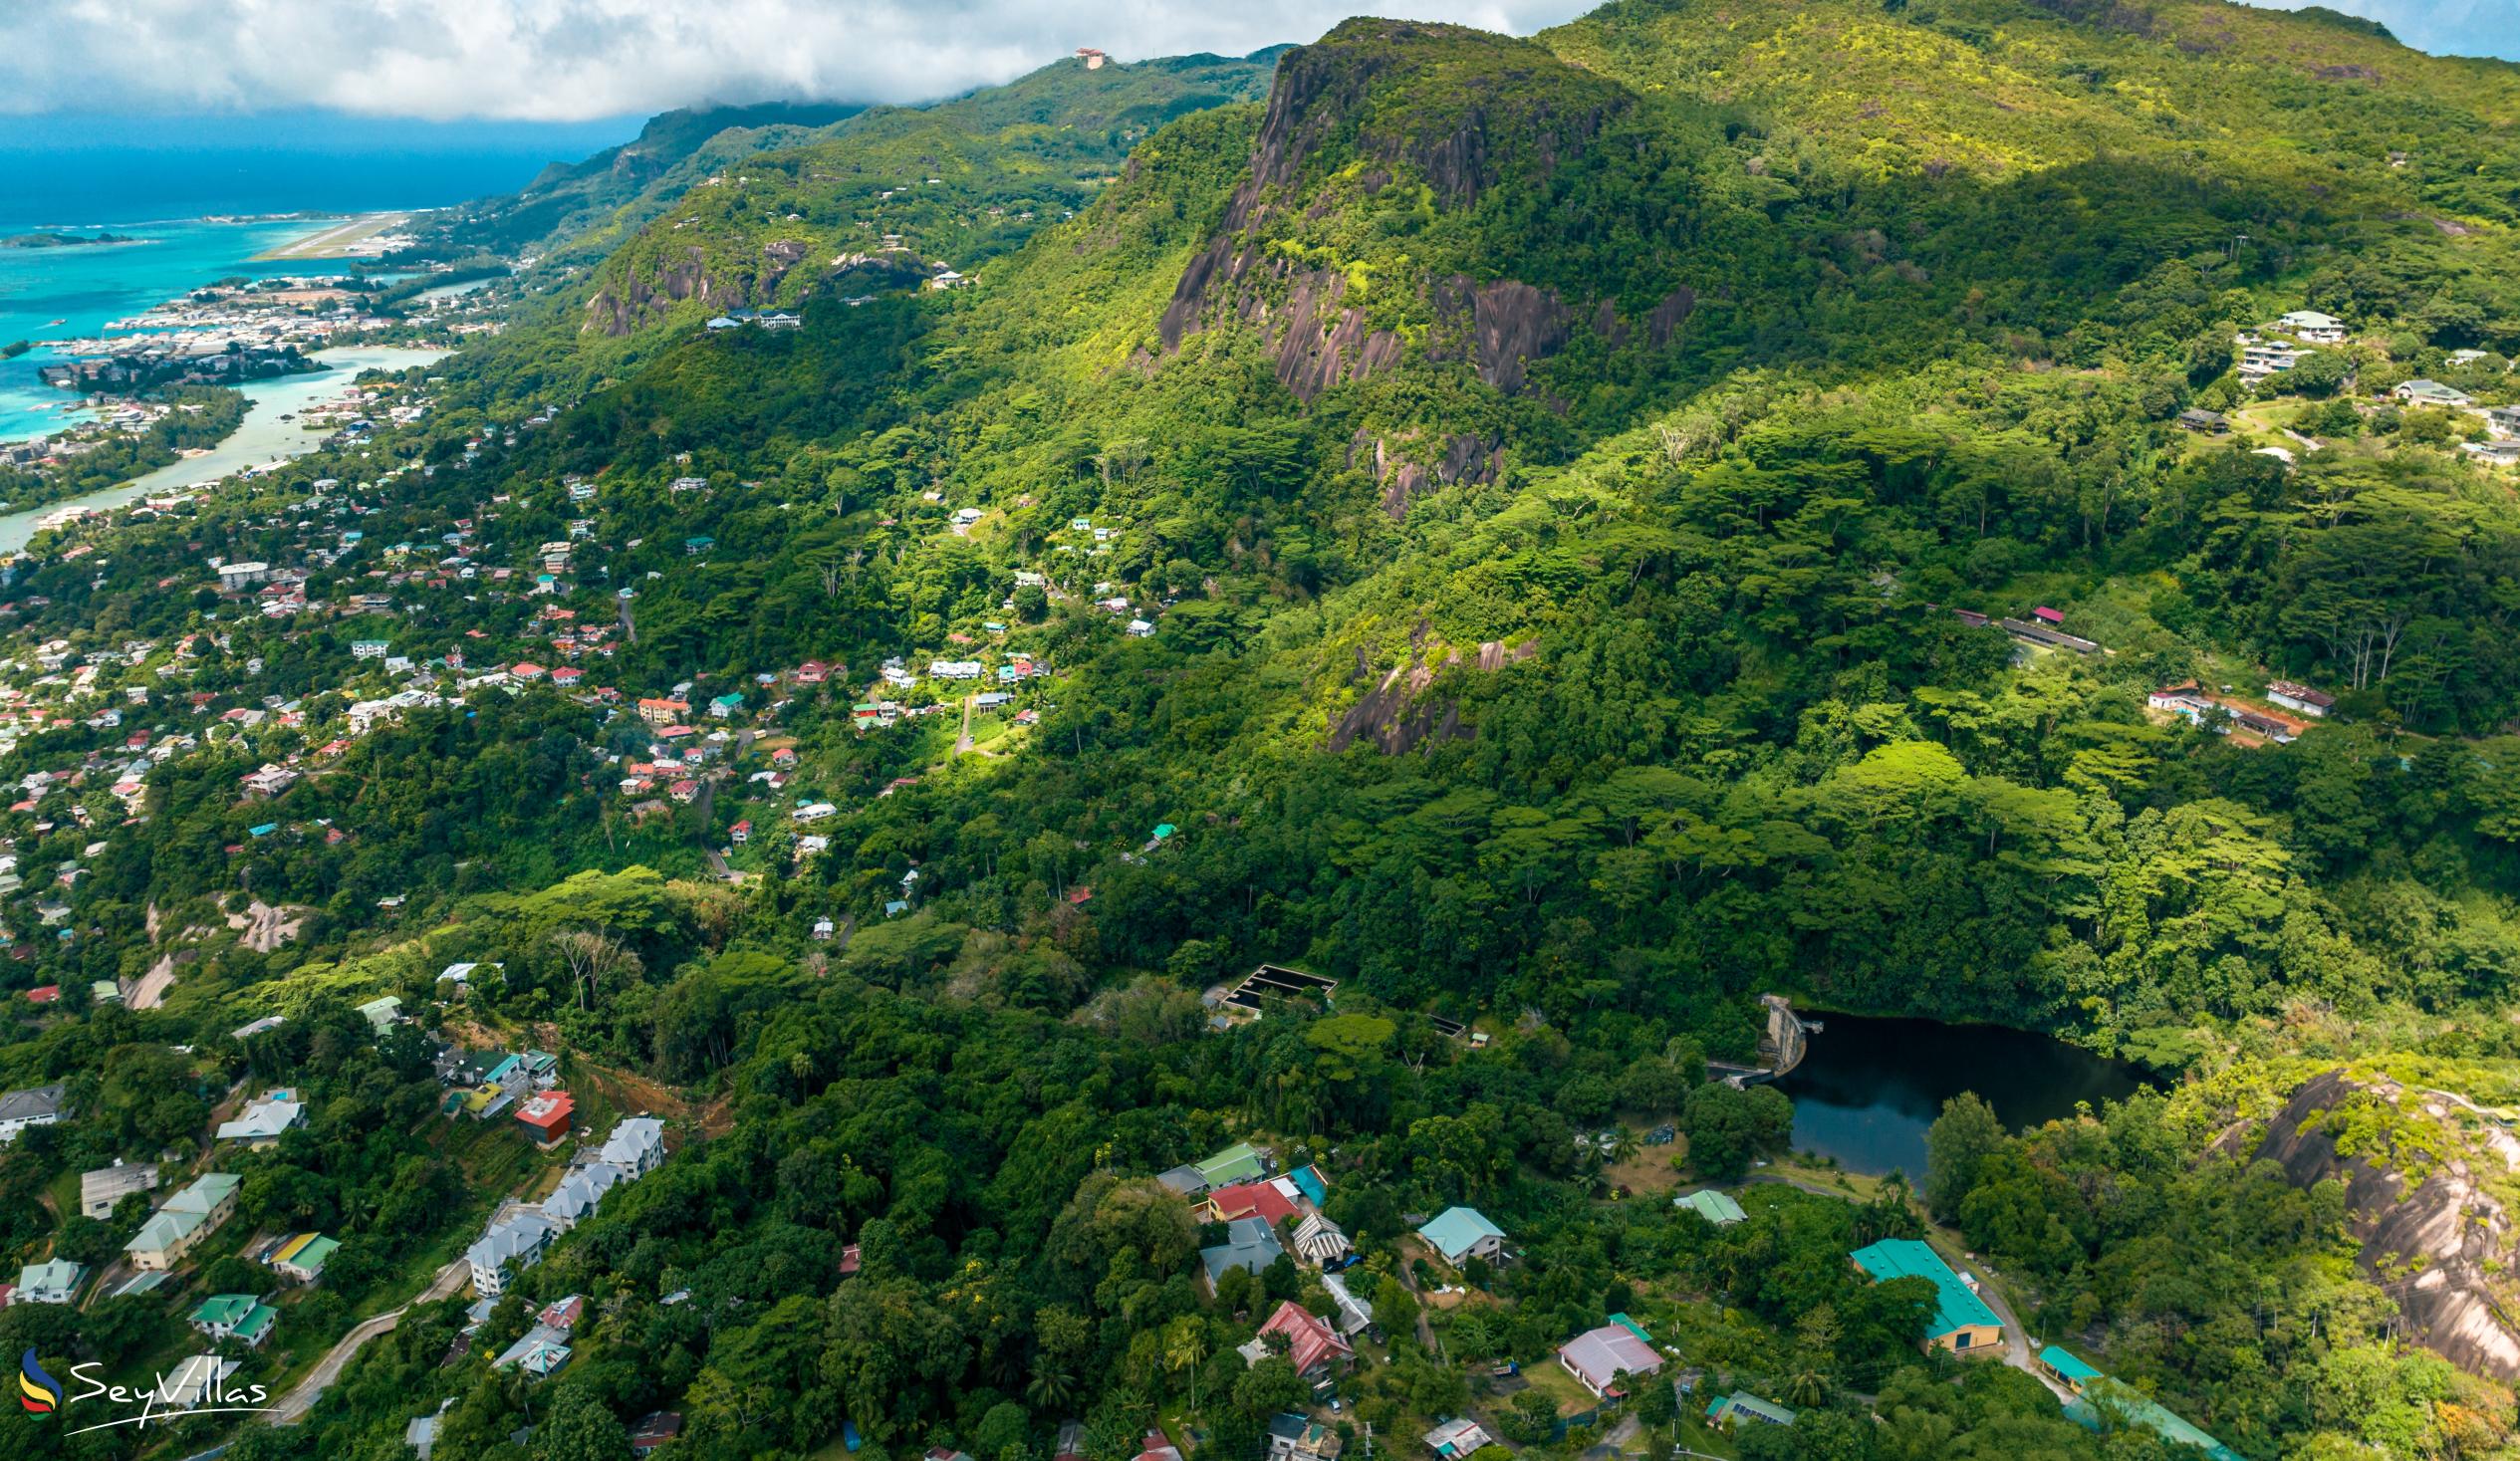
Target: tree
<point>1727,1127</point>
<point>577,1427</point>
<point>1956,1144</point>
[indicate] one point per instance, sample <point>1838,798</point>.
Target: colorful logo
<point>39,1392</point>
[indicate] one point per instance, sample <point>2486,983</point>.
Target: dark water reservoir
<point>1867,1088</point>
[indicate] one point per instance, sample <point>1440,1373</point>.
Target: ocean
<point>155,178</point>
<point>51,294</point>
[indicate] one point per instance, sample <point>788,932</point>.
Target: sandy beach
<point>340,238</point>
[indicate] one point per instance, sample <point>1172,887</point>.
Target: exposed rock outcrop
<point>645,296</point>
<point>2441,1241</point>
<point>1466,458</point>
<point>1397,716</point>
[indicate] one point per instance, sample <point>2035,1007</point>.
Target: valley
<point>1106,771</point>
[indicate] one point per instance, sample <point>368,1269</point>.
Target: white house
<point>637,1145</point>
<point>518,1241</point>
<point>36,1106</point>
<point>2313,325</point>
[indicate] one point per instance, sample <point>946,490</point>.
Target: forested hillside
<point>1990,510</point>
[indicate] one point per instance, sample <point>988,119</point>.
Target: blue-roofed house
<point>1963,1323</point>
<point>1460,1234</point>
<point>1741,1405</point>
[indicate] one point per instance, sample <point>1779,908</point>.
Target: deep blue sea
<point>155,178</point>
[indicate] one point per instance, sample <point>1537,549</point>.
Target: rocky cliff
<point>2432,1230</point>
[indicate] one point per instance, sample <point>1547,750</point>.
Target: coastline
<point>339,236</point>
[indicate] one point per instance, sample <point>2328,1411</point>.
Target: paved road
<point>962,742</point>
<point>294,1405</point>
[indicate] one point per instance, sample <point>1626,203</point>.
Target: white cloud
<point>569,59</point>
<point>2443,26</point>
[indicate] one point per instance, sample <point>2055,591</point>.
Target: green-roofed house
<point>2068,1369</point>
<point>1741,1405</point>
<point>239,1317</point>
<point>1713,1206</point>
<point>2108,1399</point>
<point>1963,1323</point>
<point>1237,1163</point>
<point>303,1257</point>
<point>1460,1234</point>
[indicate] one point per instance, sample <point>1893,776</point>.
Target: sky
<point>583,61</point>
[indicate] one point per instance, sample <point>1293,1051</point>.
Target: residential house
<point>55,1282</point>
<point>1250,1245</point>
<point>546,1116</point>
<point>1312,1344</point>
<point>1460,1234</point>
<point>1321,1242</point>
<point>1269,1200</point>
<point>2209,423</point>
<point>189,1216</point>
<point>653,1430</point>
<point>1183,1180</point>
<point>1296,1438</point>
<point>239,1317</point>
<point>1598,1357</point>
<point>1741,1405</point>
<point>1455,1439</point>
<point>1963,1323</point>
<point>262,1122</point>
<point>381,1013</point>
<point>2420,391</point>
<point>1355,1315</point>
<point>1713,1206</point>
<point>102,1191</point>
<point>636,1146</point>
<point>1240,1163</point>
<point>581,1191</point>
<point>515,1241</point>
<point>2313,325</point>
<point>36,1106</point>
<point>303,1257</point>
<point>199,1380</point>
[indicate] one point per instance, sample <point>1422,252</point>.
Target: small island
<point>62,240</point>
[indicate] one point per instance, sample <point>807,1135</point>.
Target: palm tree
<point>1051,1388</point>
<point>1805,1387</point>
<point>1186,1348</point>
<point>1475,1336</point>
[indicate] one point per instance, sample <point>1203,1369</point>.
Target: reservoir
<point>262,439</point>
<point>1867,1088</point>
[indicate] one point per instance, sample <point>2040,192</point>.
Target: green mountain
<point>1960,511</point>
<point>579,206</point>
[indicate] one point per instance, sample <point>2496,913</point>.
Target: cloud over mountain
<point>567,60</point>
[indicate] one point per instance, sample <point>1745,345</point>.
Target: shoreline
<point>340,236</point>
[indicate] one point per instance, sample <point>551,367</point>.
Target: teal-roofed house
<point>1713,1206</point>
<point>1460,1234</point>
<point>2068,1369</point>
<point>1741,1405</point>
<point>1963,1323</point>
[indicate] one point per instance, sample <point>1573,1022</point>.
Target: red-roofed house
<point>526,669</point>
<point>547,1116</point>
<point>1250,1199</point>
<point>1312,1345</point>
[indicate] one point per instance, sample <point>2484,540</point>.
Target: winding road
<point>293,1406</point>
